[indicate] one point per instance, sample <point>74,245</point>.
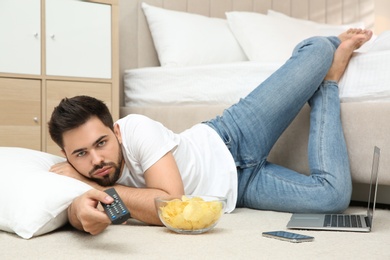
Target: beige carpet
<point>237,236</point>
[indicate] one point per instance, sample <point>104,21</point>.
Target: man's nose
<point>96,157</point>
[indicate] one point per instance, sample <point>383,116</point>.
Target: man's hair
<point>74,112</point>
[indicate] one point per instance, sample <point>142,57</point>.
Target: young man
<point>226,156</point>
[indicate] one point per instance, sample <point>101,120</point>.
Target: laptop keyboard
<point>336,220</point>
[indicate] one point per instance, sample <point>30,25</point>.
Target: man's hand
<point>66,169</point>
<point>84,213</point>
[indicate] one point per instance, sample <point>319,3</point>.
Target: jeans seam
<point>322,122</point>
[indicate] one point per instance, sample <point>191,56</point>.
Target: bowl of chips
<point>190,214</point>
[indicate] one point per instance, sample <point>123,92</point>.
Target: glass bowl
<point>190,214</point>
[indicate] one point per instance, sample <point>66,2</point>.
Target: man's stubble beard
<point>109,179</point>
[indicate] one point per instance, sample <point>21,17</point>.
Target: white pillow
<point>327,29</point>
<point>33,201</point>
<point>184,39</point>
<point>272,37</point>
<point>266,38</point>
<point>324,29</point>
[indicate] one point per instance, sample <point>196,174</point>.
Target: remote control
<point>116,211</point>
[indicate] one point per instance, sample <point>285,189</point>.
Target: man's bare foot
<point>351,40</point>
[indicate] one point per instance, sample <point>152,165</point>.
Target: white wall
<point>382,16</point>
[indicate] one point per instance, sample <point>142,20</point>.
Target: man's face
<point>94,151</point>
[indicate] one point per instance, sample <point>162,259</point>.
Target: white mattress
<point>206,84</point>
<point>366,79</point>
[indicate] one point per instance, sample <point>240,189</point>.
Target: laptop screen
<point>373,185</point>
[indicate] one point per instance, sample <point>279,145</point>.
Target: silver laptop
<point>342,222</point>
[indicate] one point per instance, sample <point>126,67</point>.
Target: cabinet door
<point>78,39</point>
<point>20,113</point>
<point>20,36</point>
<point>57,90</point>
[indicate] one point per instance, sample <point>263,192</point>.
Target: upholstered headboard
<point>136,44</point>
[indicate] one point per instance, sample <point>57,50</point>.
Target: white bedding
<point>206,84</point>
<point>366,79</point>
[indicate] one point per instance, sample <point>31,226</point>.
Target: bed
<point>179,91</point>
<point>42,219</point>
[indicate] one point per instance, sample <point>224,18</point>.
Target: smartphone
<point>288,236</point>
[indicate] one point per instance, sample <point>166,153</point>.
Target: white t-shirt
<point>205,164</point>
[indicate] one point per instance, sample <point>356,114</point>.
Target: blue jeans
<point>251,127</point>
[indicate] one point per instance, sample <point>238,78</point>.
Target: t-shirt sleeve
<point>146,140</point>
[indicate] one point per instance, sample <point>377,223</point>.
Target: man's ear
<point>117,133</point>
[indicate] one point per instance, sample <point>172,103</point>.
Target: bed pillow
<point>34,201</point>
<point>272,37</point>
<point>184,39</point>
<point>327,29</point>
<point>323,29</point>
<point>266,38</point>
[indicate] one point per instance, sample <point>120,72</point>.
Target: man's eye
<point>101,143</point>
<point>81,154</point>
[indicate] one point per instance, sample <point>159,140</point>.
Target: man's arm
<point>162,179</point>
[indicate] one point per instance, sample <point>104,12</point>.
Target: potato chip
<point>191,213</point>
